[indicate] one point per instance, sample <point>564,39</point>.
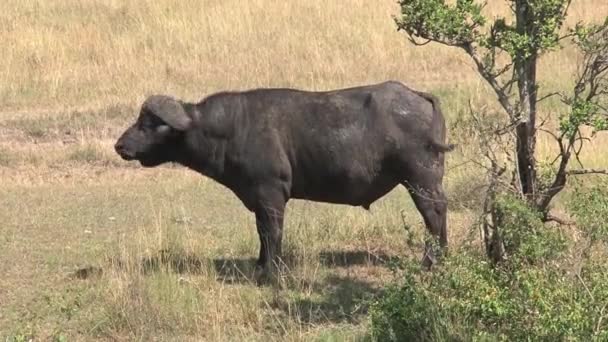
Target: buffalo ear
<point>169,110</point>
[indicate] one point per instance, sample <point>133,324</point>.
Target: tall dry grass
<point>70,54</point>
<point>60,56</point>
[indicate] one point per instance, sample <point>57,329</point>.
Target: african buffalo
<point>346,146</point>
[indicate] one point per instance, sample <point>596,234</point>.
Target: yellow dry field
<point>92,247</point>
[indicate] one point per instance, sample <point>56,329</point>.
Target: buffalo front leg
<point>431,202</point>
<point>269,221</point>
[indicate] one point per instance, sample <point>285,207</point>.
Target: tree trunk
<point>525,68</point>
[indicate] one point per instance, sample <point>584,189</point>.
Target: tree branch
<point>498,89</point>
<point>413,40</point>
<point>577,152</point>
<point>598,326</point>
<point>548,96</point>
<point>587,172</point>
<point>560,178</point>
<point>566,8</point>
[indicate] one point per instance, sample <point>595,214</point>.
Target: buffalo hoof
<point>260,275</point>
<point>428,260</point>
<point>267,276</point>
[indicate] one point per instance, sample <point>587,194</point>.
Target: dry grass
<point>175,250</point>
<point>90,54</point>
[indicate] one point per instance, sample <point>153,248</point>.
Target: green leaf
<point>435,20</point>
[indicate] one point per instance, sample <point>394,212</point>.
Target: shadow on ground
<point>332,298</point>
<point>228,270</point>
<point>240,270</point>
<point>179,262</point>
<point>234,270</point>
<point>336,299</point>
<point>175,261</point>
<point>237,270</point>
<point>354,258</point>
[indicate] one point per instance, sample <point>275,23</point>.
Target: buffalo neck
<point>204,144</point>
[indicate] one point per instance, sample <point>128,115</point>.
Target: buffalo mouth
<point>126,156</point>
<point>144,159</point>
<point>148,162</point>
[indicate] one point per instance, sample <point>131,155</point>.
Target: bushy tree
<point>530,296</point>
<point>506,52</point>
<point>529,291</point>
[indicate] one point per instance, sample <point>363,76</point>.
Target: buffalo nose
<point>123,151</point>
<point>119,147</point>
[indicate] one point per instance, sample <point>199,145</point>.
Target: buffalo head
<point>153,139</point>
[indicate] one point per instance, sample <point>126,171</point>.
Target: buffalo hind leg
<point>431,202</point>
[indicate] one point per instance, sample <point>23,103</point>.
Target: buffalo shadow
<point>341,258</point>
<point>334,299</point>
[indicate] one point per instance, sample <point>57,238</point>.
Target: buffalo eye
<point>149,124</point>
<point>163,129</point>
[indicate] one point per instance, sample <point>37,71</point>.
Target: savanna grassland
<point>93,247</point>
